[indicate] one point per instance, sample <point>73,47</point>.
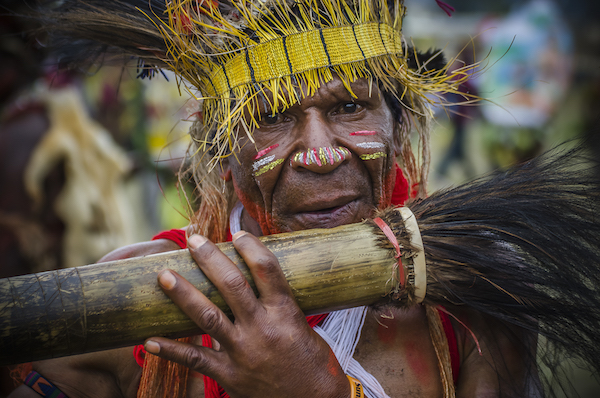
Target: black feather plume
<point>522,246</point>
<point>81,32</point>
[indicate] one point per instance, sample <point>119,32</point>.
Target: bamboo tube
<point>115,304</point>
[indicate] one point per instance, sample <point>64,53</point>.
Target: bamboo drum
<point>116,304</point>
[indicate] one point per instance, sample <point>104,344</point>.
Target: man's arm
<point>506,366</point>
<point>105,374</point>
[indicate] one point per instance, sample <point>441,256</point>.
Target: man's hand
<point>268,350</point>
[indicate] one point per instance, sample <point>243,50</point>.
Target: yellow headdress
<point>230,52</point>
<point>233,52</point>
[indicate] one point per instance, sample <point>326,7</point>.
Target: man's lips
<point>328,217</point>
<point>324,205</point>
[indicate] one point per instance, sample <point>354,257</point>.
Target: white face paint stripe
<point>370,145</point>
<point>256,165</point>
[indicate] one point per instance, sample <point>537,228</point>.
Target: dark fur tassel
<point>81,33</point>
<point>522,246</point>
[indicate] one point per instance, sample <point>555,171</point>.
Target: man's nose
<point>320,160</point>
<point>320,152</point>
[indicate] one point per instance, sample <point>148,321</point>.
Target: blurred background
<point>88,159</point>
<point>539,71</point>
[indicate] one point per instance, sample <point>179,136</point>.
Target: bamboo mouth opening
<point>417,275</point>
<point>398,231</point>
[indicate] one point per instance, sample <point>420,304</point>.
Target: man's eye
<point>349,107</point>
<point>271,119</point>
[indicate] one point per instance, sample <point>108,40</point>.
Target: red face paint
<point>257,212</point>
<point>277,199</point>
<point>263,152</point>
<point>387,331</point>
<point>416,363</point>
<point>364,132</point>
<point>333,366</point>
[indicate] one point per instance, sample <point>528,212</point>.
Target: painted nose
<point>320,160</point>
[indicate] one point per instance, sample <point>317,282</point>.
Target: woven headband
<point>305,51</point>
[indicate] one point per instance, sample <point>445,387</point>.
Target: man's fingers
<point>195,304</point>
<point>201,359</point>
<point>268,277</point>
<point>227,278</point>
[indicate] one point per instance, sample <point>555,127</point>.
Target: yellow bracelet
<point>357,388</point>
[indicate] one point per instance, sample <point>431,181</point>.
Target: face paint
<point>372,156</point>
<point>268,167</point>
<point>387,190</point>
<point>370,145</point>
<point>265,164</point>
<point>259,163</point>
<point>364,132</point>
<point>311,192</point>
<point>263,152</point>
<point>256,211</point>
<point>321,156</point>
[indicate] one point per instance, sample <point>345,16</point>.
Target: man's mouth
<point>329,215</point>
<point>328,210</point>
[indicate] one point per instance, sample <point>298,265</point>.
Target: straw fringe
<point>442,350</point>
<point>162,378</point>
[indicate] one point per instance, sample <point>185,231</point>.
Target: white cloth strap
<point>341,330</point>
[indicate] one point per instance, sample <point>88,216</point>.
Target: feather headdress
<point>230,54</point>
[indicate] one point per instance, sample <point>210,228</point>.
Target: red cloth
<point>452,345</point>
<point>213,390</point>
<point>176,235</point>
<point>400,192</point>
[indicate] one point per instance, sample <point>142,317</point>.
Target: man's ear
<point>224,169</point>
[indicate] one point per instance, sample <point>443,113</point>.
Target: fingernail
<point>195,241</point>
<point>152,347</point>
<point>237,235</point>
<point>167,280</point>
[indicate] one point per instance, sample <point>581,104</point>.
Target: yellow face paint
<point>268,167</point>
<point>372,156</point>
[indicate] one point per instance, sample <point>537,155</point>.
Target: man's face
<point>325,162</point>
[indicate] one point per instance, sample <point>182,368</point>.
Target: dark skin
<point>269,350</point>
<point>294,196</point>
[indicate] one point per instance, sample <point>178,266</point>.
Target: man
<point>269,350</point>
<point>314,148</point>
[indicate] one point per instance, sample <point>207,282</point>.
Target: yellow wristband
<point>357,388</point>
